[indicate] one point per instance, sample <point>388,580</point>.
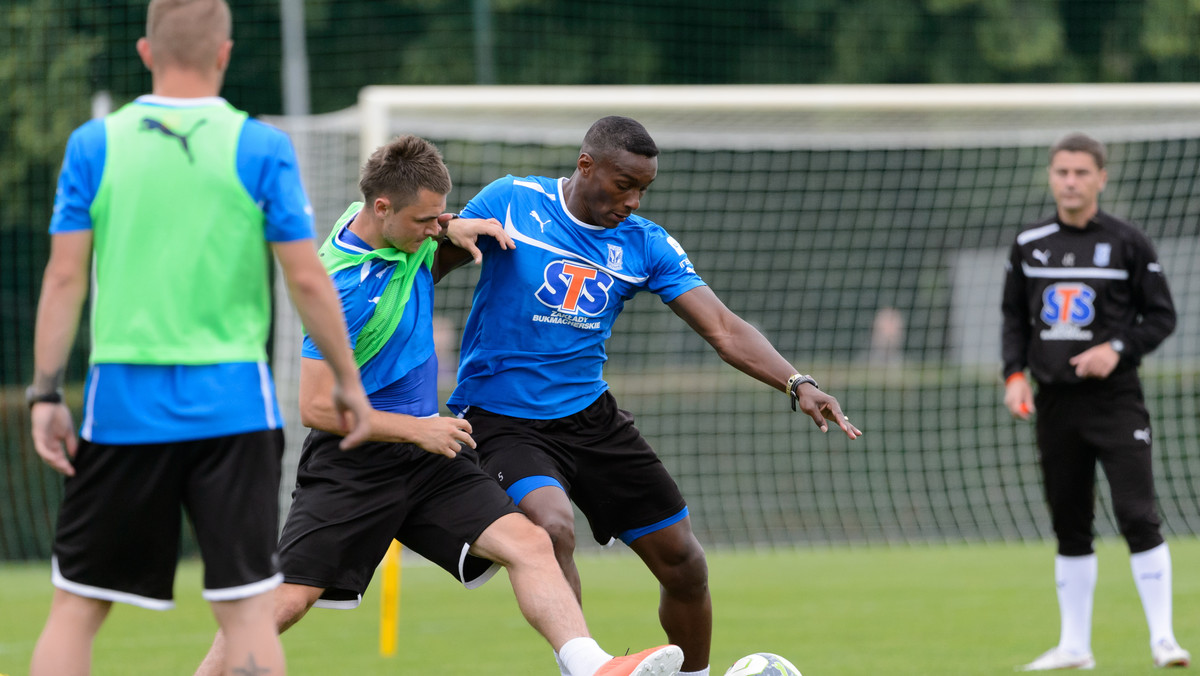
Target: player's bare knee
<point>524,540</point>
<point>292,602</point>
<point>684,571</point>
<point>561,533</point>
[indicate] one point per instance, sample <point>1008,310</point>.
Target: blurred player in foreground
<point>531,380</point>
<point>182,199</point>
<point>408,482</point>
<point>1084,299</point>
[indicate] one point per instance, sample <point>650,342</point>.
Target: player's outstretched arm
<point>321,312</point>
<point>440,435</point>
<point>742,346</point>
<point>461,242</point>
<point>64,289</point>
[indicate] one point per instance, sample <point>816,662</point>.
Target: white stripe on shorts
<point>244,591</point>
<point>88,591</point>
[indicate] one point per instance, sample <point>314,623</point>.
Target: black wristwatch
<point>444,235</point>
<point>32,396</point>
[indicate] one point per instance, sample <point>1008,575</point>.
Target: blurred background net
<point>865,243</point>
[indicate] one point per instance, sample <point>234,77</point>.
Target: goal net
<point>863,230</point>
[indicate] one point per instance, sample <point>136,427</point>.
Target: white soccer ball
<point>763,664</point>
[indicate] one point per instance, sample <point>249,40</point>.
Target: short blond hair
<point>187,33</point>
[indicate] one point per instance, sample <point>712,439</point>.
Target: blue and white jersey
<point>533,346</point>
<point>402,376</point>
<point>139,404</point>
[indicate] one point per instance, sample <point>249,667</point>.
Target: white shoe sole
<point>663,662</point>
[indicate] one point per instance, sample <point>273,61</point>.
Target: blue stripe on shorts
<point>635,533</point>
<point>525,486</point>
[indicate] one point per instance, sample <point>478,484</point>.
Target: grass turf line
<point>844,611</point>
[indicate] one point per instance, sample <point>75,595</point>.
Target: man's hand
<point>1098,361</point>
<point>464,232</point>
<point>54,436</point>
<point>442,435</point>
<point>1018,396</point>
<point>822,407</point>
<point>354,416</point>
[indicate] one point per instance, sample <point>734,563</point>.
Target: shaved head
<point>187,33</point>
<point>613,133</point>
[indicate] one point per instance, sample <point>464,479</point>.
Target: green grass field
<point>978,609</point>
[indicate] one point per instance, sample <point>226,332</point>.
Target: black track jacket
<point>1069,288</point>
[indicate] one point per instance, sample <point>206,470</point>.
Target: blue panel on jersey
<point>415,393</point>
<point>79,178</point>
<point>268,168</point>
<point>189,402</point>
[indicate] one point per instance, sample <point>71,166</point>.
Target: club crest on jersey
<point>1102,255</point>
<point>1067,307</point>
<point>575,289</point>
<point>616,257</point>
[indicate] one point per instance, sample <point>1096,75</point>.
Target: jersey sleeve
<point>267,167</point>
<point>1015,331</point>
<point>356,309</point>
<point>672,273</point>
<point>79,179</point>
<point>490,202</point>
<point>1151,297</point>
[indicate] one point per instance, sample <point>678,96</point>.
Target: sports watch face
<point>1117,345</point>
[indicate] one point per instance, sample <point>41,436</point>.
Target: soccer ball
<point>763,664</point>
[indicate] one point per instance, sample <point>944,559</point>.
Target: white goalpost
<point>769,115</point>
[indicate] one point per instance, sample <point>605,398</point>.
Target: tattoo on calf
<point>251,668</point>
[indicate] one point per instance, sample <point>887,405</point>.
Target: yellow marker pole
<point>389,600</point>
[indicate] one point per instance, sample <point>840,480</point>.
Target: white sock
<point>702,672</point>
<point>1152,575</point>
<point>582,656</point>
<point>1075,577</point>
<point>562,668</point>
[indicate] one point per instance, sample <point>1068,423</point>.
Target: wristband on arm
<point>796,381</point>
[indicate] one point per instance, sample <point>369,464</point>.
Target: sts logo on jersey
<point>1067,307</point>
<point>575,289</point>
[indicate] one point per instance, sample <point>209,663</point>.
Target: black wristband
<point>796,381</point>
<point>32,396</point>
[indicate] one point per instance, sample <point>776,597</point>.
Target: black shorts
<point>118,527</point>
<point>348,506</point>
<point>1079,425</point>
<point>597,456</point>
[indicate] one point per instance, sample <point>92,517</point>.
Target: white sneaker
<point>1167,653</point>
<point>1057,658</point>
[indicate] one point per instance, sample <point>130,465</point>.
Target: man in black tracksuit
<point>1084,299</point>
